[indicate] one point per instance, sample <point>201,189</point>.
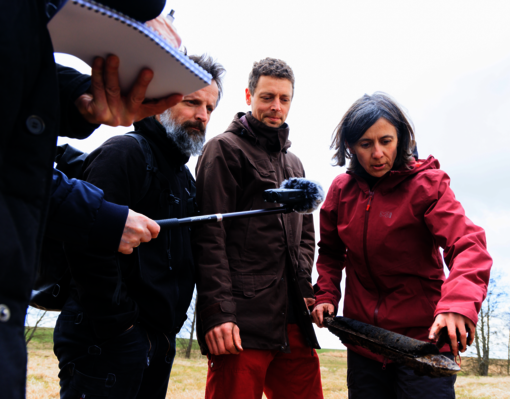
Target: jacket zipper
<point>285,272</point>
<point>365,252</point>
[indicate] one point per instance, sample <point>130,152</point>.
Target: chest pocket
<point>160,201</point>
<point>291,172</point>
<point>177,202</point>
<point>264,167</point>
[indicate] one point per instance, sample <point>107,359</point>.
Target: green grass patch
<point>43,337</point>
<point>182,343</point>
<point>330,350</point>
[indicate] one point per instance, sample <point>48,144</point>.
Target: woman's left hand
<point>318,313</point>
<point>454,322</point>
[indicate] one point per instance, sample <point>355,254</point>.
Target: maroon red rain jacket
<point>388,241</point>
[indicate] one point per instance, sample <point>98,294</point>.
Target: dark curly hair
<point>270,67</point>
<point>360,117</point>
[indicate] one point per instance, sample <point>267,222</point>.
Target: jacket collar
<point>393,178</point>
<point>155,131</point>
<point>272,139</point>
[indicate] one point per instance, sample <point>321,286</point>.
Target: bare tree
<point>484,333</point>
<point>482,340</point>
<point>30,331</point>
<point>188,329</point>
<point>190,342</point>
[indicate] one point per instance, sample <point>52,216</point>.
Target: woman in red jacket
<point>385,221</point>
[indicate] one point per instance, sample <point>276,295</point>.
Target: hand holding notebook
<point>87,30</point>
<point>106,105</point>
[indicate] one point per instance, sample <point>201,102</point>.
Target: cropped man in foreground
<point>36,107</point>
<point>116,333</point>
<point>254,282</point>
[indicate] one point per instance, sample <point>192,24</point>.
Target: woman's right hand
<point>318,313</point>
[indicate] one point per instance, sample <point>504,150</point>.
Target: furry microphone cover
<point>313,190</point>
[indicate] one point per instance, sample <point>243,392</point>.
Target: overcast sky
<point>446,62</point>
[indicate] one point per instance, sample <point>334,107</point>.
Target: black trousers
<point>368,379</point>
<point>135,364</point>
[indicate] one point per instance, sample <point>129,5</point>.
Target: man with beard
<point>116,333</point>
<point>254,282</point>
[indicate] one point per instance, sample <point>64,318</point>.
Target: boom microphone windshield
<point>304,196</point>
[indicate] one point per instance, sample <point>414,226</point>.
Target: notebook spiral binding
<point>150,33</point>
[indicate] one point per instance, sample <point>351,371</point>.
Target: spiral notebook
<point>87,29</point>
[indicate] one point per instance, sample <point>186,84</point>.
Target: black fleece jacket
<point>158,278</point>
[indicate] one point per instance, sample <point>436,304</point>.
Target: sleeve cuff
<point>72,84</point>
<point>464,311</point>
<point>109,226</point>
<point>81,129</point>
<point>218,313</point>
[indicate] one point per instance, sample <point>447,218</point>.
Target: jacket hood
<point>394,177</point>
<point>157,133</point>
<point>272,139</point>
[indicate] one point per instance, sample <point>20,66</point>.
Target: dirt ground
<point>188,378</point>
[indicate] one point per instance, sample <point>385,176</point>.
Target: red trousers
<point>279,375</point>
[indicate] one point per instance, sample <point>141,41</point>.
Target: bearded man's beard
<point>188,140</point>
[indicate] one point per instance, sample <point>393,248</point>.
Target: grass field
<point>188,375</point>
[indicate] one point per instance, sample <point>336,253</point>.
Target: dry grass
<point>483,387</point>
<point>188,378</point>
<point>334,374</point>
<point>42,380</point>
